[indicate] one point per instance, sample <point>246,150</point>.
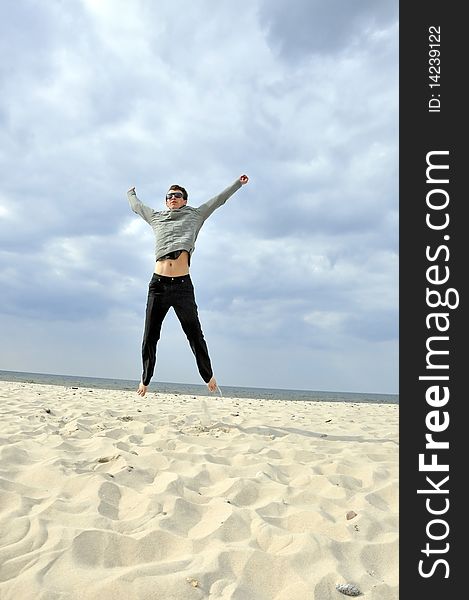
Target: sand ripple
<point>104,495</point>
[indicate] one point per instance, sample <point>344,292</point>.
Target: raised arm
<point>217,201</point>
<point>138,207</point>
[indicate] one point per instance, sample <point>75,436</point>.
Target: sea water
<point>198,389</point>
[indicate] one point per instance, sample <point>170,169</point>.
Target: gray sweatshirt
<point>178,229</point>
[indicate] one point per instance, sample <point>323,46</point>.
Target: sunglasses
<point>174,195</point>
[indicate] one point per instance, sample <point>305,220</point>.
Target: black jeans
<point>178,292</point>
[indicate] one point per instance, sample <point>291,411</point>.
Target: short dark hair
<point>181,189</point>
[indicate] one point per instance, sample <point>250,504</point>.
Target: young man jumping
<point>176,230</point>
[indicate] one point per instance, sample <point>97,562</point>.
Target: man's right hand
<point>132,189</point>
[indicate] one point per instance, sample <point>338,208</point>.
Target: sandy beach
<point>108,496</point>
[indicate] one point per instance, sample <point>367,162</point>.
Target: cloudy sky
<point>296,277</point>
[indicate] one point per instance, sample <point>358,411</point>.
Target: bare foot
<point>142,389</point>
<point>212,384</point>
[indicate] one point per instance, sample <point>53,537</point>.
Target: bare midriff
<point>173,267</point>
